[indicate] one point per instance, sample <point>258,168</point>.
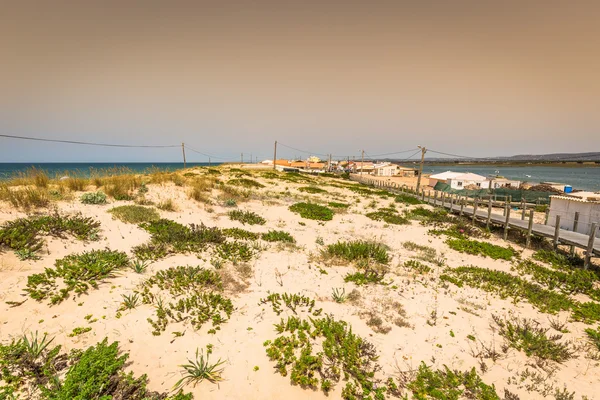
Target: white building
<point>497,183</point>
<point>468,179</point>
<point>442,177</point>
<point>385,169</point>
<point>587,204</point>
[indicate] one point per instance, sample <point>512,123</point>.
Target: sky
<point>473,78</point>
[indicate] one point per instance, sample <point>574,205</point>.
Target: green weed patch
<point>246,217</point>
<point>134,214</point>
<point>476,247</point>
<point>278,236</point>
<point>292,301</point>
<point>358,251</point>
<point>242,234</point>
<point>312,190</point>
<point>312,211</point>
<point>78,272</point>
<point>389,216</point>
<point>24,235</point>
<point>246,183</point>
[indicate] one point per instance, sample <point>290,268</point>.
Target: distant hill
<point>554,157</point>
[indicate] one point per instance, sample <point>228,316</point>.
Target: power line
<point>86,143</point>
<point>451,155</point>
<point>302,151</point>
<point>204,154</point>
<point>389,154</point>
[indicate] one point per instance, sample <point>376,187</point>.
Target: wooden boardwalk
<point>483,213</point>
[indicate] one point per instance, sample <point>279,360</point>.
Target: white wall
<point>460,184</point>
<point>588,214</point>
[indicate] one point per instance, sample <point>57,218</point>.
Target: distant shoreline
<point>516,164</point>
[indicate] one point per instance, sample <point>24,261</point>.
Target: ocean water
<point>581,178</point>
<point>83,169</point>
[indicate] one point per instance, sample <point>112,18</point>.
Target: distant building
<point>587,204</point>
<point>468,180</point>
<point>497,183</point>
<point>385,169</point>
<point>366,167</point>
<point>407,172</point>
<point>442,177</point>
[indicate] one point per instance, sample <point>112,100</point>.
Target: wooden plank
<point>590,247</point>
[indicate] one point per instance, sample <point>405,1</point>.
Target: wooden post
<point>506,221</point>
<point>435,197</point>
<point>183,151</point>
<point>529,229</point>
<point>546,220</point>
<point>462,206</point>
<point>443,196</point>
<point>590,248</point>
<point>429,197</point>
<point>523,208</point>
<point>452,198</point>
<point>575,223</point>
<point>556,232</point>
<point>475,203</point>
<point>275,157</point>
<point>422,195</point>
<point>489,217</point>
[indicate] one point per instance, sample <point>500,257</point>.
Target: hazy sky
<point>477,78</point>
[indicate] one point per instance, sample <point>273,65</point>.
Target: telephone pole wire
<point>423,151</point>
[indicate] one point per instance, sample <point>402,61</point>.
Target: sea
<point>580,178</point>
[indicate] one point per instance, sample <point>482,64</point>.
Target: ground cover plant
<point>361,252</point>
<point>235,251</point>
<point>292,302</point>
<point>594,337</point>
<point>94,373</point>
<point>134,214</point>
<point>509,286</point>
<point>239,233</point>
<point>77,272</point>
<point>430,216</point>
<point>169,237</point>
<point>335,204</point>
<point>24,235</point>
<point>93,198</point>
<point>312,189</point>
<point>528,336</point>
<point>199,369</point>
<point>425,253</point>
<point>476,247</point>
<point>312,211</point>
<point>277,236</point>
<point>185,294</point>
<point>342,354</point>
<point>407,199</point>
<point>388,215</point>
<point>246,217</point>
<point>449,384</point>
<point>246,183</point>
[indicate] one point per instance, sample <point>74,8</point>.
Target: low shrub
<point>93,198</point>
<point>78,273</point>
<point>23,235</point>
<point>407,199</point>
<point>246,183</point>
<point>293,302</point>
<point>312,211</point>
<point>334,204</point>
<point>594,337</point>
<point>134,214</point>
<point>246,217</point>
<point>238,233</point>
<point>311,189</point>
<point>277,236</point>
<point>357,251</point>
<point>389,216</point>
<point>476,247</point>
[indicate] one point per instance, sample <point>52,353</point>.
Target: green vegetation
<point>235,251</point>
<point>339,296</point>
<point>507,285</point>
<point>134,214</point>
<point>169,237</point>
<point>594,337</point>
<point>32,364</point>
<point>167,205</point>
<point>246,217</point>
<point>388,215</point>
<point>247,183</point>
<point>334,204</point>
<point>358,251</point>
<point>199,369</point>
<point>93,198</point>
<point>312,211</point>
<point>425,253</point>
<point>238,233</point>
<point>407,199</point>
<point>25,198</point>
<point>365,277</point>
<point>430,217</point>
<point>78,273</point>
<point>485,249</point>
<point>278,236</point>
<point>312,189</point>
<point>450,385</point>
<point>292,301</point>
<point>527,335</point>
<point>79,331</point>
<point>343,355</point>
<point>195,295</point>
<point>417,267</point>
<point>23,235</point>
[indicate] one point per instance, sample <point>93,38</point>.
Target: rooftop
<point>584,197</point>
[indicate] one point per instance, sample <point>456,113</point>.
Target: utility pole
<point>275,156</point>
<point>362,163</point>
<point>423,151</point>
<point>183,151</point>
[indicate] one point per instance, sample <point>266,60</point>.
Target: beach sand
<point>248,373</point>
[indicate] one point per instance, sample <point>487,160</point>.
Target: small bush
<point>389,216</point>
<point>278,236</point>
<point>134,214</point>
<point>93,198</point>
<point>334,204</point>
<point>476,247</point>
<point>357,251</point>
<point>594,337</point>
<point>312,211</point>
<point>238,233</point>
<point>312,189</point>
<point>407,199</point>
<point>246,217</point>
<point>167,205</point>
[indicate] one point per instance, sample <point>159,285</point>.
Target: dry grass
<point>167,205</point>
<point>201,189</point>
<point>25,198</point>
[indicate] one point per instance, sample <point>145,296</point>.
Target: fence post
<point>523,209</point>
<point>489,217</point>
<point>556,232</point>
<point>475,202</point>
<point>506,221</point>
<point>435,197</point>
<point>423,194</point>
<point>529,229</point>
<point>462,206</point>
<point>575,223</point>
<point>546,219</point>
<point>590,247</point>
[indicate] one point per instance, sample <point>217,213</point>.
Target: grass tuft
<point>312,211</point>
<point>134,214</point>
